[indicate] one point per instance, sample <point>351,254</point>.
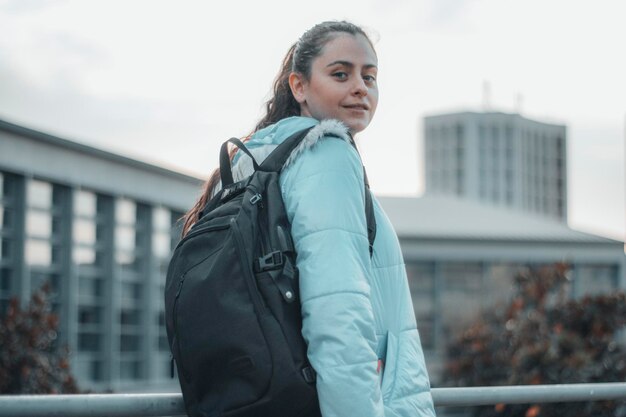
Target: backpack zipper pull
<point>256,198</point>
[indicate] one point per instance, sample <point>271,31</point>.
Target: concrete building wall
<point>99,228</point>
<point>502,159</point>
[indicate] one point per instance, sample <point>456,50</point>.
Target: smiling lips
<point>358,106</point>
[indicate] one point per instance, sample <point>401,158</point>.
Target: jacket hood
<point>264,141</point>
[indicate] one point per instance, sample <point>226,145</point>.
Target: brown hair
<point>282,104</point>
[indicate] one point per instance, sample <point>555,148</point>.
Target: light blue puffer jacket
<point>356,309</point>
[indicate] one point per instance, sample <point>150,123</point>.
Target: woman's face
<point>342,84</point>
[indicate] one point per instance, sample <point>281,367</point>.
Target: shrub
<point>542,336</point>
<point>30,360</point>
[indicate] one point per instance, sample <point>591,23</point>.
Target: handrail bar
<point>528,394</point>
<point>158,405</point>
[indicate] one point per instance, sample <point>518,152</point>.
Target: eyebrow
<point>349,64</point>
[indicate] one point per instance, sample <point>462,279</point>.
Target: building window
<point>89,342</point>
<point>88,243</point>
<point>461,287</point>
<point>6,249</point>
<point>43,246</point>
<point>8,237</point>
<point>7,187</point>
<point>422,285</point>
<point>127,235</point>
<point>125,211</point>
<point>38,253</point>
<point>130,369</point>
<point>39,194</point>
<point>132,241</point>
<point>6,281</point>
<point>88,315</point>
<point>460,189</point>
<point>85,204</point>
<point>6,218</point>
<point>85,232</point>
<point>161,233</point>
<point>39,224</point>
<point>595,279</point>
<point>90,290</point>
<point>125,238</point>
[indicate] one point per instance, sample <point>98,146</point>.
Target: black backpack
<point>231,301</point>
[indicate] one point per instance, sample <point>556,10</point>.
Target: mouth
<point>357,106</point>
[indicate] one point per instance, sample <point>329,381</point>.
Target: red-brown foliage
<point>30,360</point>
<point>543,336</point>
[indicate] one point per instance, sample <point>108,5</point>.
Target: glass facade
<point>105,258</point>
<point>421,276</point>
<point>9,208</point>
<point>130,260</point>
<point>449,295</point>
<point>88,244</point>
<point>164,236</point>
<point>44,237</point>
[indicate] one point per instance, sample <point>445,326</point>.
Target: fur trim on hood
<point>244,168</point>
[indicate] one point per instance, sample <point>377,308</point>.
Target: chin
<point>355,128</point>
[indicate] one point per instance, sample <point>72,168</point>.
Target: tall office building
<point>503,159</point>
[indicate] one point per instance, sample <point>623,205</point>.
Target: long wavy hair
<point>282,104</point>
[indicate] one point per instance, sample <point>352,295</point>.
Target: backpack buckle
<point>272,260</point>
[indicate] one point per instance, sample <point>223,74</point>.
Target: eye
<point>369,78</point>
<point>340,75</point>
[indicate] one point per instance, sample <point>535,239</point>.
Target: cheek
<point>374,93</point>
<point>325,100</point>
<point>374,98</point>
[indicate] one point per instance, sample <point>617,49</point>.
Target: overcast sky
<point>168,81</point>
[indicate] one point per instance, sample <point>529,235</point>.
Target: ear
<point>297,83</point>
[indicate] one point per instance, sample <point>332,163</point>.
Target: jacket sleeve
<point>324,197</point>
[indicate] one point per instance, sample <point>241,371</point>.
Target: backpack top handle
<point>226,172</point>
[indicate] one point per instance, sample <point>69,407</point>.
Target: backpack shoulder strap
<point>369,214</point>
<point>275,161</point>
<point>369,206</point>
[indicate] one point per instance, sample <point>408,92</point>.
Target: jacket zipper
<point>248,276</point>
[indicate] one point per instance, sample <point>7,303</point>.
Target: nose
<point>359,88</point>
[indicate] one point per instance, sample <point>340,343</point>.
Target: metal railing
<point>156,405</point>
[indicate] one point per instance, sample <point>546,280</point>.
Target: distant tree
<point>542,336</point>
<point>30,360</point>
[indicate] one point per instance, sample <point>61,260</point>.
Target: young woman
<point>358,318</point>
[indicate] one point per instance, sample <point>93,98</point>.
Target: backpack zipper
<point>257,199</point>
<point>202,230</point>
<point>247,267</point>
<point>175,314</point>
